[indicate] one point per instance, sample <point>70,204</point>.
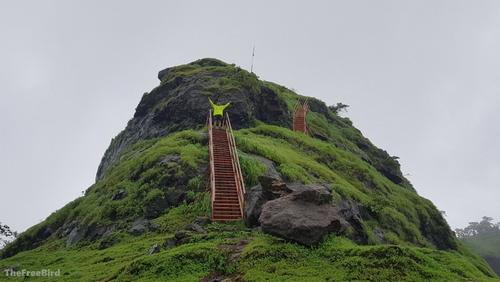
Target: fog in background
<point>422,79</point>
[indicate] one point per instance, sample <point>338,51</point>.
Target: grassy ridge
<point>399,211</point>
<point>262,257</point>
<point>172,170</point>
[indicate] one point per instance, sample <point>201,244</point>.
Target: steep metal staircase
<point>226,181</point>
<point>299,117</point>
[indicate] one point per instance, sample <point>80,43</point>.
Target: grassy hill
<point>133,224</point>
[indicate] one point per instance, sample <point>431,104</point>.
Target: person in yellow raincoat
<point>218,112</point>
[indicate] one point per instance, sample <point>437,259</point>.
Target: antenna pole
<point>253,55</point>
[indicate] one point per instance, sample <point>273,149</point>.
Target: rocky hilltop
<point>181,102</point>
<point>329,206</point>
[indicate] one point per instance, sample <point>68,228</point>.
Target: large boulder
<point>303,222</point>
<point>318,194</point>
<point>270,188</point>
<point>254,199</point>
<point>304,216</point>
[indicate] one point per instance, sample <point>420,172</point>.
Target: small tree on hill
<point>338,108</point>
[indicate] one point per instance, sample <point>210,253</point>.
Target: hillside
<point>488,247</point>
<point>483,237</point>
<point>146,217</point>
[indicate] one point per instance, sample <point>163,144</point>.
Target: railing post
<point>211,153</point>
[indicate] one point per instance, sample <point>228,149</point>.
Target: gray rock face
<point>270,188</point>
<point>77,234</point>
<point>202,221</point>
<point>180,237</point>
<point>141,225</point>
<point>379,234</point>
<point>196,228</point>
<point>170,243</point>
<point>254,199</point>
<point>96,232</point>
<point>46,233</point>
<point>107,241</point>
<point>303,222</point>
<point>317,194</point>
<point>170,159</point>
<point>180,102</point>
<point>68,227</point>
<point>273,187</point>
<point>354,213</point>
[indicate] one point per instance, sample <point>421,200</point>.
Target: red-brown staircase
<point>299,117</point>
<point>225,174</point>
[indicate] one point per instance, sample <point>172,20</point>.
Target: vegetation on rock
<point>142,219</point>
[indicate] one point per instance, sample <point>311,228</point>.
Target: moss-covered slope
<point>152,184</point>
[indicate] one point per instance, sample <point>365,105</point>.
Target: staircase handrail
<point>211,153</point>
<point>306,110</point>
<point>240,184</point>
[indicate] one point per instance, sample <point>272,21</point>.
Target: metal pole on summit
<point>253,55</point>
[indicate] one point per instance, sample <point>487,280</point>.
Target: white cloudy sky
<point>422,79</point>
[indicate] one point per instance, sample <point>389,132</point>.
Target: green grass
<point>141,174</point>
<point>263,258</point>
<point>251,169</point>
<point>308,160</point>
<point>339,156</point>
<point>396,210</point>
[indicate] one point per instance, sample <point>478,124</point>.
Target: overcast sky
<point>422,79</point>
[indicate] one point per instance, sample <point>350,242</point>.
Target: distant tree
<point>6,234</point>
<point>477,229</point>
<point>486,225</point>
<point>460,233</point>
<point>338,108</point>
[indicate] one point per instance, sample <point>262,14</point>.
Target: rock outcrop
<point>297,212</point>
<point>305,216</point>
<point>270,188</point>
<point>181,102</point>
<point>142,225</point>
